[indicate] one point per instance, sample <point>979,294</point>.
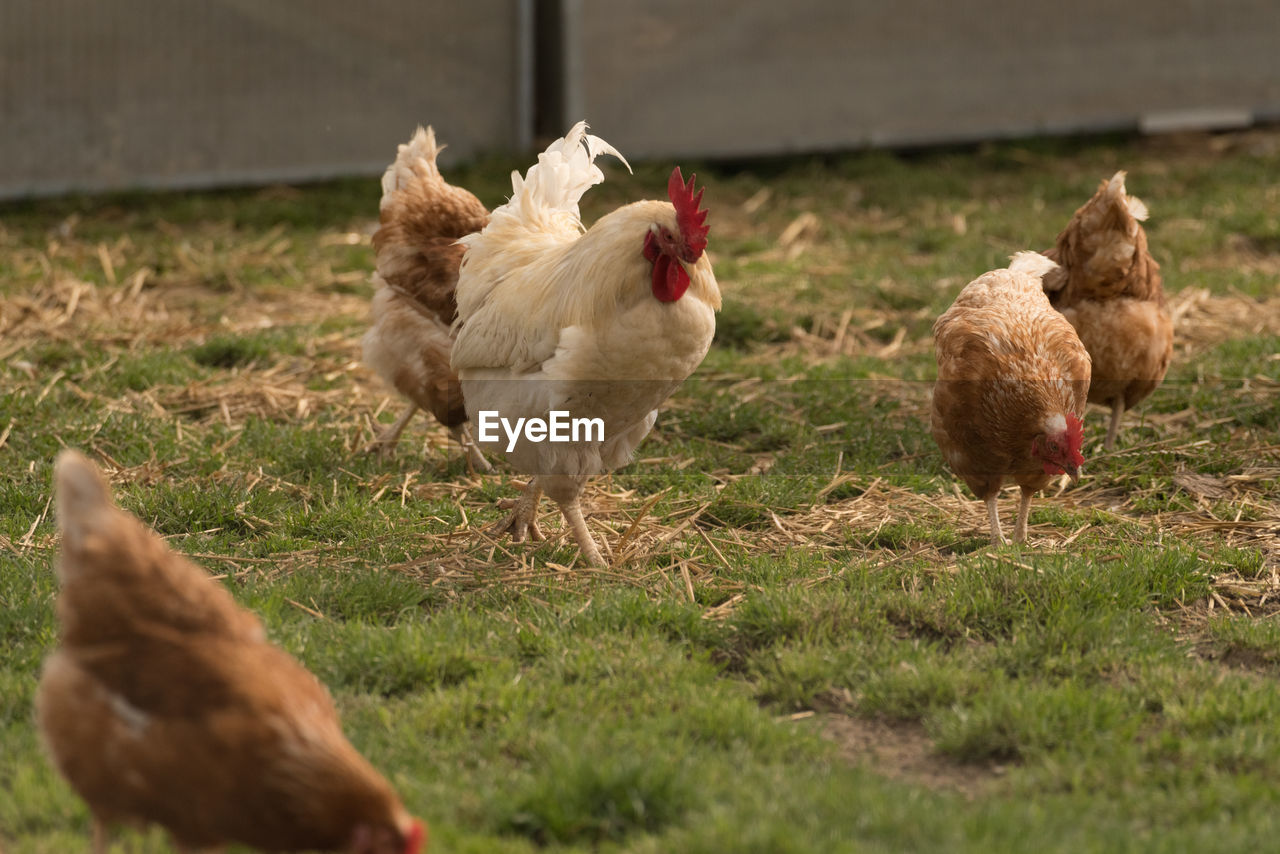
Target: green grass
<point>1111,687</point>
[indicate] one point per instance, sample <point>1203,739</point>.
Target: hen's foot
<point>384,444</point>
<point>475,460</point>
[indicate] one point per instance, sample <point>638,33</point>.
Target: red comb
<point>416,838</point>
<point>1075,438</point>
<point>692,222</point>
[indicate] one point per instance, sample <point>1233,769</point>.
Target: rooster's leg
<point>572,511</point>
<point>993,516</point>
<point>385,442</point>
<point>1117,412</point>
<point>524,514</point>
<point>1024,510</point>
<point>565,490</point>
<point>475,459</point>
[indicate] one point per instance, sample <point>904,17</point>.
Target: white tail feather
<point>555,184</point>
<point>1115,187</point>
<point>1137,208</point>
<point>1031,263</point>
<point>415,160</point>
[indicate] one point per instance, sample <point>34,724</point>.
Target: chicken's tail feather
<point>421,217</point>
<point>1110,231</point>
<point>82,495</point>
<point>1031,263</point>
<point>552,187</point>
<point>1116,193</point>
<point>415,161</point>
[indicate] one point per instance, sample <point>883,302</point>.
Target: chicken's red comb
<point>1075,438</point>
<point>415,841</point>
<point>691,221</point>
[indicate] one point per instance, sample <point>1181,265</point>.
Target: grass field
<point>804,641</point>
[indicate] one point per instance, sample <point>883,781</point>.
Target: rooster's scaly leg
<point>566,491</point>
<point>524,514</point>
<point>572,511</point>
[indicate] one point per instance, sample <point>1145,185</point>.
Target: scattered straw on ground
<point>679,550</point>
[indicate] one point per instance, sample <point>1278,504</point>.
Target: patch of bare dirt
<point>1246,659</point>
<point>1240,660</point>
<point>903,751</point>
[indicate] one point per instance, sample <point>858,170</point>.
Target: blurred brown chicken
<point>422,217</point>
<point>165,704</point>
<point>1108,286</point>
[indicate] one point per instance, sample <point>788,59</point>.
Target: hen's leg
<point>1024,510</point>
<point>1117,412</point>
<point>524,514</point>
<point>385,442</point>
<point>101,836</point>
<point>993,516</point>
<point>475,459</point>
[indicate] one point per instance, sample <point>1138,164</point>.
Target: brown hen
<point>1108,286</point>
<point>165,704</point>
<point>418,255</point>
<point>1012,382</point>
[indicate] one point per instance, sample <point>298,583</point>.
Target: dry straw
<point>671,548</point>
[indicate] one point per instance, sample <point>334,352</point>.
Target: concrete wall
<point>98,94</point>
<point>748,77</point>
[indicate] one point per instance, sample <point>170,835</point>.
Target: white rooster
<point>600,323</point>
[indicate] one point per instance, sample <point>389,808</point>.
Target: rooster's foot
<point>524,515</point>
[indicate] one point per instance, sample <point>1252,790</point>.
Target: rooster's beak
<point>1074,473</point>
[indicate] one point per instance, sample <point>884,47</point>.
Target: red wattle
<point>670,281</point>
